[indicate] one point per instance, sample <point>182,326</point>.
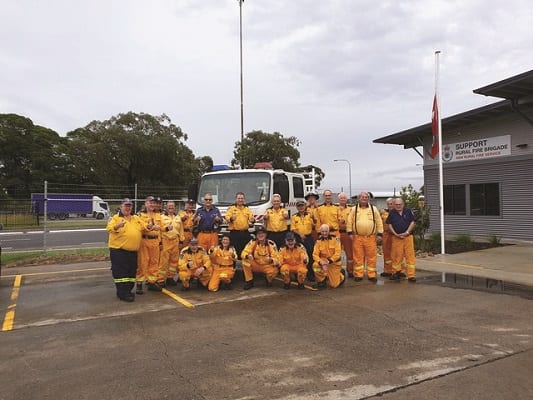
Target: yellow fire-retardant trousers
<point>148,261</point>
<point>403,249</point>
<point>335,278</point>
<point>186,275</point>
<point>168,260</point>
<point>365,248</point>
<point>250,266</point>
<point>347,246</point>
<point>299,269</point>
<point>386,247</point>
<point>206,240</point>
<point>220,273</point>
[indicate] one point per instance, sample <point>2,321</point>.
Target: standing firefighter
<point>172,235</point>
<point>401,222</point>
<point>366,228</point>
<point>186,216</point>
<point>148,262</point>
<point>125,232</point>
<point>239,217</point>
<point>386,241</point>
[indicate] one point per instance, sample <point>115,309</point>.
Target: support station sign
<point>478,149</point>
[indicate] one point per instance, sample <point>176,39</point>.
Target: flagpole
<point>441,180</point>
<point>242,94</point>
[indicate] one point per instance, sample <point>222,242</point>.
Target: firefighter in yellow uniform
<point>329,214</point>
<point>293,260</point>
<point>366,228</point>
<point>327,260</point>
<point>187,221</point>
<point>312,210</point>
<point>194,264</point>
<point>223,259</point>
<point>148,261</point>
<point>276,221</point>
<point>302,225</point>
<point>386,241</point>
<point>346,240</point>
<point>125,232</point>
<point>239,217</point>
<point>172,235</point>
<point>260,255</point>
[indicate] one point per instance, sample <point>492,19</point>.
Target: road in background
<point>13,241</point>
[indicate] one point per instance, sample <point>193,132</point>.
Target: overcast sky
<point>336,74</point>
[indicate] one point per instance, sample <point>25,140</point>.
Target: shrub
<point>464,242</point>
<point>495,240</point>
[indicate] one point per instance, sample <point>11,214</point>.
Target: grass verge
<point>10,260</point>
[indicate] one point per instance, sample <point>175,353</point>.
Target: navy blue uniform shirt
<point>400,223</point>
<point>207,222</point>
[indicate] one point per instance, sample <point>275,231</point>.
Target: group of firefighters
<point>158,248</point>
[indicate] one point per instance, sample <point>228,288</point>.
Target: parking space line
<point>9,318</point>
<point>177,298</point>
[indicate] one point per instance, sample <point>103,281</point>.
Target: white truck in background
<point>258,185</point>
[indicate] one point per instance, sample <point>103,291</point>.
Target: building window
<point>454,200</point>
<point>485,199</point>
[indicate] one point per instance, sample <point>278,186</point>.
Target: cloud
<point>336,74</point>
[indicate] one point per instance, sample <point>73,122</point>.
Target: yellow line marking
<point>58,272</point>
<point>177,298</point>
<point>9,318</point>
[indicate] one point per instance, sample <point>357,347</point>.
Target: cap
<point>313,194</point>
<point>290,236</point>
<point>150,198</point>
<point>260,228</point>
<point>193,241</point>
<point>191,201</point>
<point>157,199</point>
<point>126,201</point>
<point>300,203</point>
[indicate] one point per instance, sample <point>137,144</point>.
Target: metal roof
<point>512,88</point>
<point>517,90</point>
<point>413,137</point>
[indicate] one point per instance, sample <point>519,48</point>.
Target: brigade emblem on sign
<point>447,153</point>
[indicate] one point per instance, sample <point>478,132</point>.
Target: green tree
<point>259,146</point>
<point>133,148</point>
<point>29,154</point>
<point>205,164</point>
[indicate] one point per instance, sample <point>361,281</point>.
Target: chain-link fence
<point>61,202</point>
<point>17,213</point>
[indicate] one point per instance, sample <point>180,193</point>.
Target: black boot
<point>170,282</point>
<point>154,287</point>
<point>343,273</point>
<point>248,285</point>
<point>139,289</point>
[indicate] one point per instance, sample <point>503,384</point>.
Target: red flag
<point>435,128</point>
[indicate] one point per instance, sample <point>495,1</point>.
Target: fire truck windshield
<point>223,186</point>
